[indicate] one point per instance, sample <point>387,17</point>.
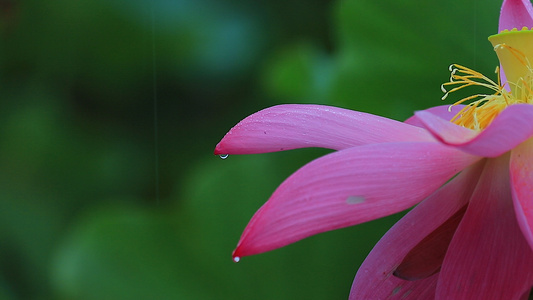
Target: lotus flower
<point>468,167</point>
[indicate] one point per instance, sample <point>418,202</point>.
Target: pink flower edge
<point>510,128</point>
<point>292,126</point>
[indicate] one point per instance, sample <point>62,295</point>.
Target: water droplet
<point>396,290</point>
<point>224,156</point>
<point>236,259</point>
<point>355,200</point>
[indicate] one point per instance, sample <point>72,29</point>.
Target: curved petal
<point>445,131</point>
<point>292,126</point>
<point>516,14</point>
<point>488,257</point>
<point>446,112</point>
<point>348,187</point>
<point>375,279</point>
<point>510,128</point>
<point>522,187</point>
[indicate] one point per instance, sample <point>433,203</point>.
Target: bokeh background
<point>110,111</point>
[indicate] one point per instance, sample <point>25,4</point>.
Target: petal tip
<point>237,254</point>
<point>218,149</point>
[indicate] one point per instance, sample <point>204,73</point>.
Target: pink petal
<point>375,279</point>
<point>510,128</point>
<point>488,257</point>
<point>516,14</point>
<point>522,187</point>
<point>348,187</point>
<point>445,131</point>
<point>446,112</point>
<point>292,126</point>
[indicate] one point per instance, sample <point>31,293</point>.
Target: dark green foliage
<point>111,110</point>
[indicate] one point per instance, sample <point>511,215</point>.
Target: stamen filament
<point>514,49</point>
<point>471,116</point>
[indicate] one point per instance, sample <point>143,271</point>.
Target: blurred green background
<point>111,110</point>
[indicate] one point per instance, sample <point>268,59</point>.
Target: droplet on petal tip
<point>236,259</point>
<point>224,156</point>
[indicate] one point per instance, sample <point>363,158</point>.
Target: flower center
<point>513,49</point>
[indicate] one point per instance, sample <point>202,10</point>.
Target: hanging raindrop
<point>224,156</point>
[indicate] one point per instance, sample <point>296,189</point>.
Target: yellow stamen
<point>477,114</point>
<point>480,113</point>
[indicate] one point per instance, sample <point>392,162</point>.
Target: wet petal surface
<point>292,126</point>
<point>516,14</point>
